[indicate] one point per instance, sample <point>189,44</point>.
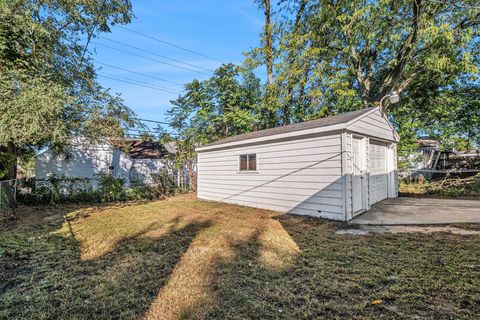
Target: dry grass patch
<point>184,258</point>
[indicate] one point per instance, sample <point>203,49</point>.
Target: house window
<point>111,170</point>
<point>248,162</point>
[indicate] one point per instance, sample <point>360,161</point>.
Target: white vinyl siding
<point>300,176</point>
<point>80,163</point>
<point>90,160</point>
<point>373,125</point>
<point>305,174</point>
<point>378,181</point>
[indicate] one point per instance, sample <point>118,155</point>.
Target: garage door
<point>378,182</point>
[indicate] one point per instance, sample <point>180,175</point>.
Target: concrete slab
<point>418,211</point>
<point>366,230</point>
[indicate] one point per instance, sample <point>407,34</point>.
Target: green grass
<point>183,258</point>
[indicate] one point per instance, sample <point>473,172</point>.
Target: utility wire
<point>153,133</point>
<point>150,131</point>
<point>148,58</point>
<point>153,121</point>
<point>139,73</point>
<point>137,84</point>
<point>155,54</point>
<point>138,81</point>
<point>170,44</point>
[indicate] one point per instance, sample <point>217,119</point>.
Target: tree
<point>224,105</point>
<point>336,56</point>
<point>48,87</point>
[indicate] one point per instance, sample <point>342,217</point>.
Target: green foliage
<point>57,190</point>
<point>111,188</point>
<point>224,105</point>
<point>450,115</point>
<point>336,56</point>
<point>48,87</point>
<point>163,184</point>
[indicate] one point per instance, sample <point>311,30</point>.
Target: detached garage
<point>335,167</point>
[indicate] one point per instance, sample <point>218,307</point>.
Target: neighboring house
<point>335,167</point>
<point>134,161</point>
<point>429,156</point>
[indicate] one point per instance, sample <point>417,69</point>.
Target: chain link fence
<point>437,174</point>
<point>81,190</point>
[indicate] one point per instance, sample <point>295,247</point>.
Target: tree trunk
<point>268,42</point>
<point>291,60</point>
<point>268,51</point>
<point>8,162</point>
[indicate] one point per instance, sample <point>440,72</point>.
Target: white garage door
<point>378,182</point>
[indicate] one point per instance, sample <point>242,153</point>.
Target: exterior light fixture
<point>393,97</point>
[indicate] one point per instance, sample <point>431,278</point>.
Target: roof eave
<point>287,135</point>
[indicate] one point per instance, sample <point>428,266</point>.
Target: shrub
<point>77,190</point>
<point>141,193</point>
<point>111,188</point>
<point>164,184</point>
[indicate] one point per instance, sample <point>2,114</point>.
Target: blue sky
<point>220,29</point>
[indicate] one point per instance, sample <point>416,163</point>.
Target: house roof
<point>428,143</point>
<point>318,123</point>
<point>141,149</point>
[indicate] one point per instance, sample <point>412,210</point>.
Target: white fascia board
<point>274,137</point>
<point>368,113</point>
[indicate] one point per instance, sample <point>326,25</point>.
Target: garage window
<point>248,162</point>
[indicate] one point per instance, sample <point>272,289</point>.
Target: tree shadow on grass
<point>44,277</point>
<point>340,276</point>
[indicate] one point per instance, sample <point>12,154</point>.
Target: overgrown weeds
<point>468,187</point>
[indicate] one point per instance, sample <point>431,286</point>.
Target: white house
<point>335,167</point>
<point>134,161</point>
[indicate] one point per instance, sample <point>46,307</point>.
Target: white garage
<point>335,167</point>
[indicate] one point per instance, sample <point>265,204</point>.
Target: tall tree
<point>266,56</point>
<point>224,105</point>
<point>335,56</point>
<point>48,87</point>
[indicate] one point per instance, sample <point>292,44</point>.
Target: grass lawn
<point>183,258</point>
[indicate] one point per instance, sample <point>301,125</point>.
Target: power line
<point>155,54</point>
<point>139,81</point>
<point>148,58</point>
<point>170,44</point>
<point>153,133</point>
<point>153,121</point>
<point>139,73</point>
<point>137,84</point>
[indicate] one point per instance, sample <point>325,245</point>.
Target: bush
<point>76,190</point>
<point>57,190</point>
<point>141,193</point>
<point>111,188</point>
<point>164,184</point>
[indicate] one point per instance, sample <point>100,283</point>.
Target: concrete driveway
<point>415,211</point>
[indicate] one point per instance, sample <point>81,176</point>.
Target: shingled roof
<point>141,149</point>
<point>322,122</point>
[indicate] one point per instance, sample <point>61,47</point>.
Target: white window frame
<point>248,170</point>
